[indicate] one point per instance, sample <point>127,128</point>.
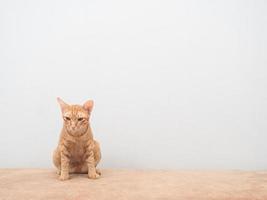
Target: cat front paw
<point>93,175</point>
<point>64,177</point>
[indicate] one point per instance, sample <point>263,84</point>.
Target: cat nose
<point>72,125</point>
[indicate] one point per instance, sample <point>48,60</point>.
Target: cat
<point>77,151</point>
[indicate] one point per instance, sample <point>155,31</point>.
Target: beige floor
<point>20,184</point>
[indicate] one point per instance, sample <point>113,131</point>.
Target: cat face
<point>76,117</point>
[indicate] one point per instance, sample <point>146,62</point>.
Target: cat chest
<point>77,151</point>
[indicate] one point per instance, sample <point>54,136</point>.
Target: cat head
<point>76,117</point>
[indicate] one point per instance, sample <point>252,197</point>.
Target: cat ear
<point>62,104</point>
<point>88,105</point>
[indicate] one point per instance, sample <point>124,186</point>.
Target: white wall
<point>176,84</point>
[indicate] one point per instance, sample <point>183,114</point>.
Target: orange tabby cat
<point>77,151</point>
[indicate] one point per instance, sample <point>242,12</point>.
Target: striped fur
<point>77,151</point>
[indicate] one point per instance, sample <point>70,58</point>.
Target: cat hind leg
<point>56,161</point>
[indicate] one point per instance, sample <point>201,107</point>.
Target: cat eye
<point>67,118</point>
<point>80,119</point>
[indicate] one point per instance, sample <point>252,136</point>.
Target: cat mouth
<point>75,134</point>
